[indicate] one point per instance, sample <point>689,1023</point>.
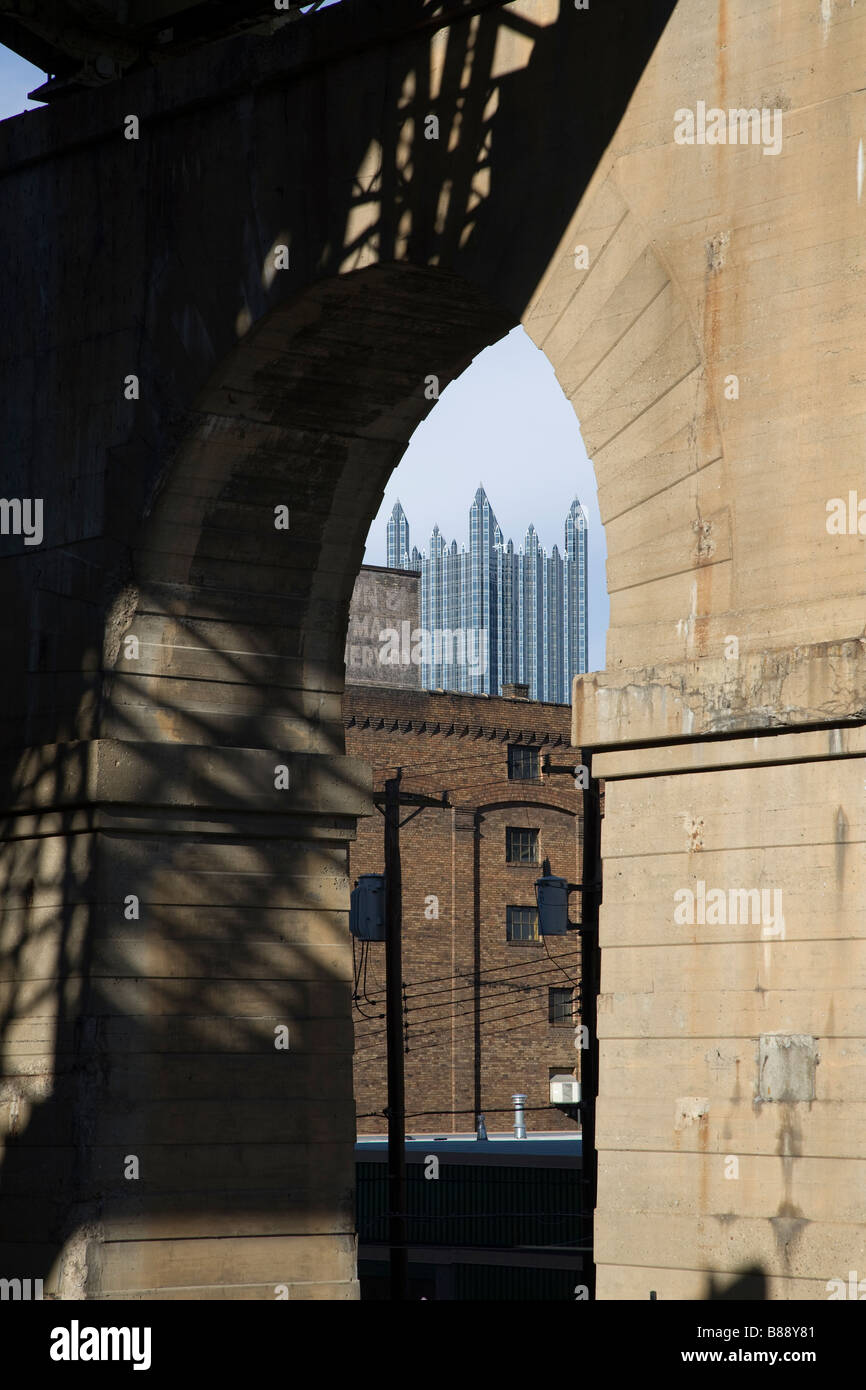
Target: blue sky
<point>17,78</point>
<point>504,423</point>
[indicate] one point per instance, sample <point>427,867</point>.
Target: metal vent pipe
<point>519,1122</point>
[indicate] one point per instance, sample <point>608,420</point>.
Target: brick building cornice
<point>393,710</point>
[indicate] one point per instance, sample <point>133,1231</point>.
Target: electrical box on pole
<point>367,908</point>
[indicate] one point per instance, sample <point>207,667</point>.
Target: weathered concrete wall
<point>709,263</point>
<point>161,921</point>
<point>731,1117</point>
<point>711,352</point>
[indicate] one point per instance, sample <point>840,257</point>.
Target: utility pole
<point>394,799</point>
<point>394,1029</point>
<point>590,976</point>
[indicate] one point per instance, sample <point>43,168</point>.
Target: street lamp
<point>551,896</point>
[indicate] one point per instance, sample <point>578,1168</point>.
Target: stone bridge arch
<point>150,774</point>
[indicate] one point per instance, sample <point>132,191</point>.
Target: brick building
<point>490,1009</point>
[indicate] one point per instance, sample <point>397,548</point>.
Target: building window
<point>521,846</point>
<point>522,763</point>
<point>560,1006</point>
<point>521,924</point>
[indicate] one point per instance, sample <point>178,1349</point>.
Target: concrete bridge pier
<point>178,1090</point>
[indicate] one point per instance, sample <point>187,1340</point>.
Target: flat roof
<point>389,569</point>
<point>546,1145</point>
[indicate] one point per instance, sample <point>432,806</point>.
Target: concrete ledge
<point>808,746</point>
<point>345,1292</point>
<point>108,771</point>
<point>817,684</point>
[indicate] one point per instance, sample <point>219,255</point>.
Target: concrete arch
<point>313,410</point>
<point>153,776</point>
<point>241,627</point>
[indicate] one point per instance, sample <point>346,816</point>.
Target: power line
<point>503,1031</point>
<point>497,969</point>
<point>554,961</point>
<point>463,1007</point>
<point>470,1003</point>
<point>546,747</point>
<point>466,1004</point>
<point>355,996</point>
<point>465,1019</point>
<point>491,970</point>
<point>467,1011</point>
<point>483,1005</point>
<point>431,771</point>
<point>356,971</point>
<point>446,776</point>
<point>441,1027</point>
<point>485,984</point>
<point>473,732</point>
<point>441,1033</point>
<point>566,1246</point>
<point>486,992</point>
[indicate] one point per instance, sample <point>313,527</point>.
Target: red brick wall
<point>459,744</point>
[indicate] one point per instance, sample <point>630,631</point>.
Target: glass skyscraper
<point>398,540</point>
<point>495,616</point>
